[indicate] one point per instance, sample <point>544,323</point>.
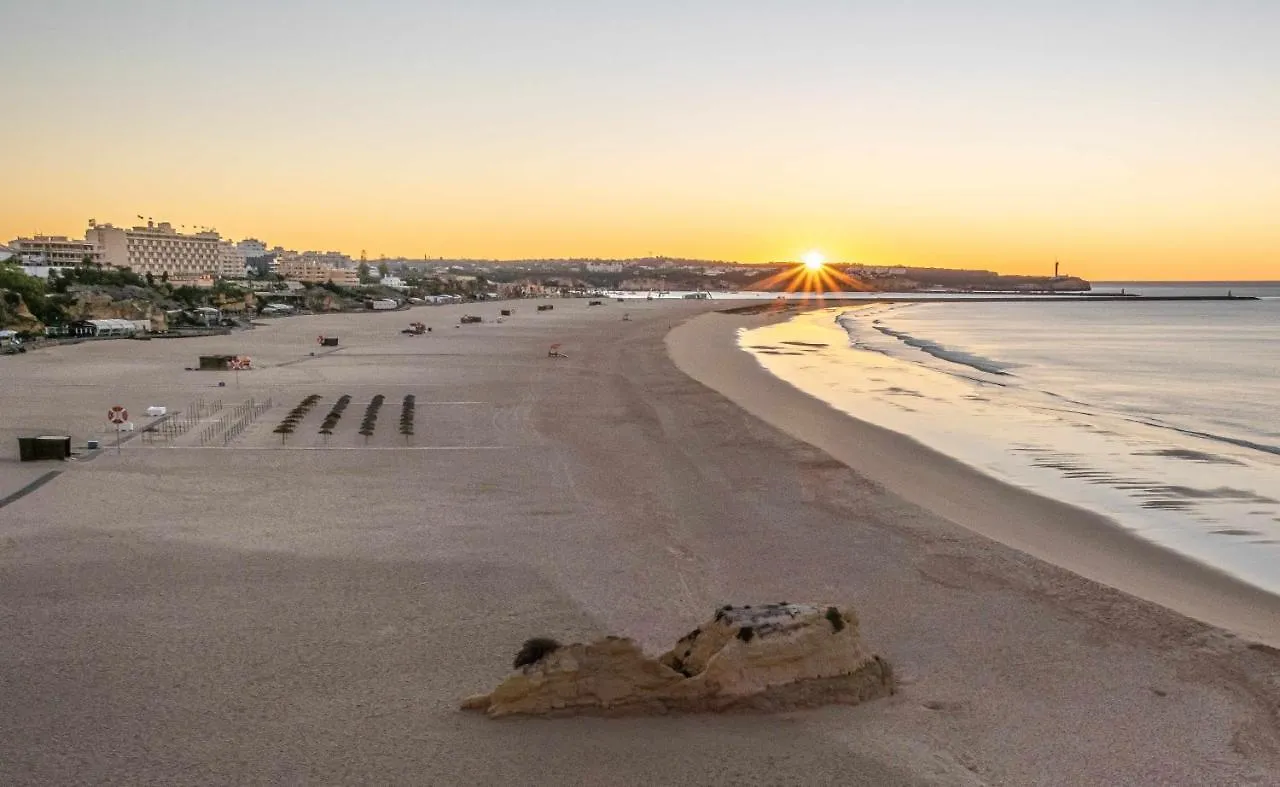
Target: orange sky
<point>1134,143</point>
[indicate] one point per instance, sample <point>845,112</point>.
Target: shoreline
<point>1081,541</point>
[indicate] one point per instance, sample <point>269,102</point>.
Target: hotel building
<point>316,268</point>
<point>56,251</point>
<point>158,249</point>
<point>231,261</point>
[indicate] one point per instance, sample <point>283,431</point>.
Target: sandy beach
<point>1081,541</point>
<point>314,609</point>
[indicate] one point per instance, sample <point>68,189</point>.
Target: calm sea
<point>1160,415</point>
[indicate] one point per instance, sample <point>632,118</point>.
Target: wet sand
<point>1081,541</point>
<point>315,611</point>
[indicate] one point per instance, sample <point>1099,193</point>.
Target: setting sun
<point>814,260</point>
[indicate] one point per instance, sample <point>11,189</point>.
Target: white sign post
<point>117,415</point>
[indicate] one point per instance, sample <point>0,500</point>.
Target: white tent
<point>107,328</point>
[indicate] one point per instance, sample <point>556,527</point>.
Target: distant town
<point>169,275</point>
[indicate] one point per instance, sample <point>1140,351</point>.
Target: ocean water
<point>1163,416</point>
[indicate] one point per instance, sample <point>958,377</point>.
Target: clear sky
<point>1130,138</point>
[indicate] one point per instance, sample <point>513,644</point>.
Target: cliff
<point>767,658</point>
<point>15,315</point>
<point>126,303</point>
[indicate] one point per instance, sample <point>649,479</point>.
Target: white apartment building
<point>158,249</point>
<point>231,261</point>
<point>56,251</point>
<point>252,247</point>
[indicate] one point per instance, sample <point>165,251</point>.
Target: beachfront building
<point>314,268</point>
<point>231,261</point>
<point>108,329</point>
<point>55,251</point>
<point>302,267</point>
<point>158,249</point>
<point>345,277</point>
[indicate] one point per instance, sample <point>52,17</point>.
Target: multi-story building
<point>231,261</point>
<point>346,277</point>
<point>158,249</point>
<point>333,259</point>
<point>56,251</point>
<point>300,267</point>
<point>313,269</point>
<point>252,247</point>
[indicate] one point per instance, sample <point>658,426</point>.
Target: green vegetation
<point>95,276</point>
<point>229,289</point>
<point>18,288</point>
<point>190,297</point>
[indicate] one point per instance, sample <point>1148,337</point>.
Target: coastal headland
<point>311,607</point>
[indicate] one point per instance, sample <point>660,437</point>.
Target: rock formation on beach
<point>764,658</point>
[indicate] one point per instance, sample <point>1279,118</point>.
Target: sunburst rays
<point>811,282</point>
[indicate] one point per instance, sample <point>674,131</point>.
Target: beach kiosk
<point>44,447</point>
<point>216,363</point>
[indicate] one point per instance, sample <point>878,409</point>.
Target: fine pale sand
<point>315,611</point>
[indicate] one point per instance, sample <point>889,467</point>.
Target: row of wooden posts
<point>183,421</point>
<point>234,424</point>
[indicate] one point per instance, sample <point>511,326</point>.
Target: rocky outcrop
<point>15,315</point>
<point>89,304</point>
<point>766,658</point>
